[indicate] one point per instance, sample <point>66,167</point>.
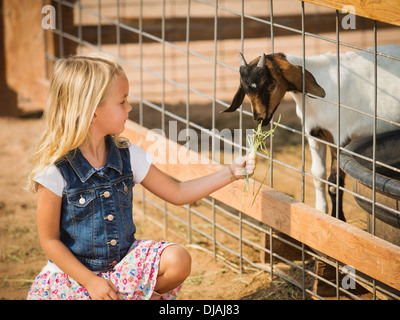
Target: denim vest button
<point>110,217</point>
<point>82,200</point>
<point>113,242</point>
<point>106,194</point>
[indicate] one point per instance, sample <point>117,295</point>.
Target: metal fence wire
<point>181,58</point>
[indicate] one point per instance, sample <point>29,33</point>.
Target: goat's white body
<point>356,92</point>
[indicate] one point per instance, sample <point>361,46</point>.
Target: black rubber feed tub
<point>387,183</point>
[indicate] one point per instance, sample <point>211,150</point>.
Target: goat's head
<point>265,81</point>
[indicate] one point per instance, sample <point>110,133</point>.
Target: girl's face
<point>111,114</point>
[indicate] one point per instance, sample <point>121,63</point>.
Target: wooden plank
<point>381,10</point>
<point>339,240</point>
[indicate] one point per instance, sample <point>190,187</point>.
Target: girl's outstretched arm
<point>190,191</point>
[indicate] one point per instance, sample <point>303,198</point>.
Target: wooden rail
<point>387,11</point>
<point>339,240</point>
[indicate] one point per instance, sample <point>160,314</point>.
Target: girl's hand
<point>101,289</point>
<point>243,165</point>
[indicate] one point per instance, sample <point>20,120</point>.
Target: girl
<point>84,174</point>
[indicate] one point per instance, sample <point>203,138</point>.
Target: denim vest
<point>96,214</point>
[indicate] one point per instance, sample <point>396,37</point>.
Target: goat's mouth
<point>261,116</point>
<point>263,122</point>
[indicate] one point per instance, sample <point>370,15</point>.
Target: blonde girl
<point>84,172</point>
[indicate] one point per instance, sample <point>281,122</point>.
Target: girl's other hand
<point>101,289</point>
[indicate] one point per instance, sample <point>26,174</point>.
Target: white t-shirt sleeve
<point>140,162</point>
<point>52,179</point>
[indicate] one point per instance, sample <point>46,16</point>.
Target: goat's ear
<point>312,86</point>
<point>293,75</point>
<point>237,100</point>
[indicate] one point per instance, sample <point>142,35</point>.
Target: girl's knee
<point>176,260</point>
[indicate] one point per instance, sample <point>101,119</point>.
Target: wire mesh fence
<point>181,58</point>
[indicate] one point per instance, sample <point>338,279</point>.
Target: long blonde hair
<point>78,85</point>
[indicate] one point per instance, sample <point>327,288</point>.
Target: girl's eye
<point>123,102</point>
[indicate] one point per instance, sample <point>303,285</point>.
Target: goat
<point>266,79</point>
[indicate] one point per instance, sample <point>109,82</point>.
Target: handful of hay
<point>256,142</point>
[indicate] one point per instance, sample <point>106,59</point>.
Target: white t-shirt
<point>52,179</point>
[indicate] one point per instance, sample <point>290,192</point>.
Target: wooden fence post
<point>8,97</point>
<point>23,65</point>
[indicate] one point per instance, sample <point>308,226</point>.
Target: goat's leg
<point>337,204</point>
<point>336,197</point>
<point>318,170</point>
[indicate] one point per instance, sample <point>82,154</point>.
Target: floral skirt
<point>135,277</point>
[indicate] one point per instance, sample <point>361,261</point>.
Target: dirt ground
<point>21,257</point>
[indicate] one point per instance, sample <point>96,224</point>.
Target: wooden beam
<point>339,240</point>
<point>387,11</point>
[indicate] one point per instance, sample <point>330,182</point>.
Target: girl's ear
<point>94,118</point>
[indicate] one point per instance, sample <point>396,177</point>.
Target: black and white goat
<point>266,79</point>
